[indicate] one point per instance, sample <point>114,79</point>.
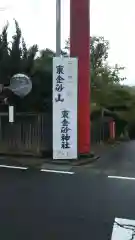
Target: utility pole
<point>58,28</point>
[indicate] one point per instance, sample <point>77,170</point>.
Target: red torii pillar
<point>80,47</point>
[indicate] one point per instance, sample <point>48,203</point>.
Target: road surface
<point>38,205</point>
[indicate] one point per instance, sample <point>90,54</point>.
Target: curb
<point>86,161</point>
<point>71,163</point>
<point>38,162</point>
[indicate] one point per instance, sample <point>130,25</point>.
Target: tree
<point>98,52</point>
<point>4,56</point>
<point>15,57</point>
<point>99,68</point>
<point>107,90</point>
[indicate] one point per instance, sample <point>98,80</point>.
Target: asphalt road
<point>55,206</point>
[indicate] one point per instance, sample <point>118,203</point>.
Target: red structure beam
<point>80,47</point>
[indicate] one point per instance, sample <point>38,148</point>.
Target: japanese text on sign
<point>59,83</point>
<point>65,136</point>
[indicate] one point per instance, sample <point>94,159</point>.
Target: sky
<point>113,19</point>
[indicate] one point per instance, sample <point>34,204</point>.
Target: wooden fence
<point>30,134</point>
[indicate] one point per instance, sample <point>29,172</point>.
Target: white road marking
<point>56,171</point>
<point>41,170</point>
<point>123,229</point>
<point>13,167</point>
<point>120,177</point>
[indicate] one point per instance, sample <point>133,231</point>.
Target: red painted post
<point>112,130</point>
<point>80,47</point>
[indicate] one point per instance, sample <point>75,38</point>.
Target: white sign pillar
<point>65,93</point>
